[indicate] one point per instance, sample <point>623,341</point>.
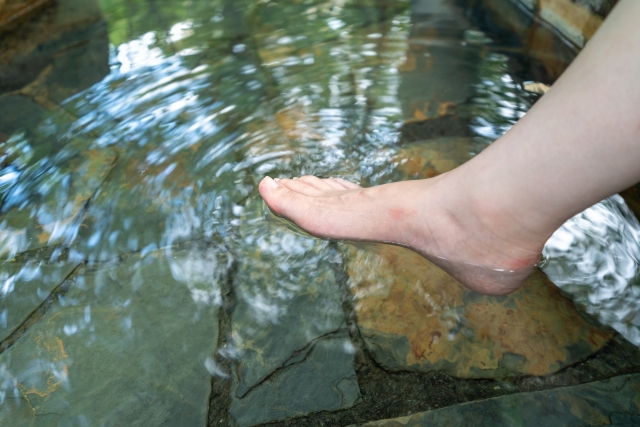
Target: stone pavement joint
<point>614,402</point>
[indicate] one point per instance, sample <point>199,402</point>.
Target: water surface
<point>138,259</point>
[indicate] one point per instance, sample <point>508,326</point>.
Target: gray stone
<point>81,65</point>
<point>23,287</point>
<point>288,325</point>
<point>287,297</point>
<point>70,44</point>
<point>614,402</point>
<point>127,345</point>
<point>139,208</point>
<point>323,381</point>
<point>18,113</point>
<point>44,208</point>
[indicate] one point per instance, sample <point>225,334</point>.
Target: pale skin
<point>486,222</point>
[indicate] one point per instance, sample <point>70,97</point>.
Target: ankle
<point>504,235</point>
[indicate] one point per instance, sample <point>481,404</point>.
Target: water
<point>142,273</point>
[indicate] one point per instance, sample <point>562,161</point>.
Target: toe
<point>279,198</point>
<point>316,182</point>
<point>302,187</point>
<point>347,184</point>
<point>335,185</point>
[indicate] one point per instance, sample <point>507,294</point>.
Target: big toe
<point>267,189</point>
<point>279,198</point>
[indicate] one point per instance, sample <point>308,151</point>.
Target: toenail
<point>271,183</point>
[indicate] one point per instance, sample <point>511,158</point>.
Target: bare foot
<point>483,248</point>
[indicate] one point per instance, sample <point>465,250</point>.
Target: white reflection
<point>8,384</point>
<point>139,53</point>
<point>594,257</point>
<point>180,31</point>
<point>12,240</point>
<point>70,329</point>
<point>214,369</point>
<point>335,23</point>
<point>239,48</point>
<point>199,271</point>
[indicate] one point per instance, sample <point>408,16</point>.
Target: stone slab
<point>287,296</point>
<point>127,345</point>
<point>54,38</point>
<point>413,316</point>
<point>15,11</point>
<point>323,381</point>
<point>18,113</point>
<point>23,287</point>
<point>572,20</point>
<point>615,402</point>
<point>42,208</point>
<point>429,158</point>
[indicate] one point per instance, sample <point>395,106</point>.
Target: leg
<point>487,221</point>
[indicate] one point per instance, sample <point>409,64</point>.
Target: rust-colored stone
<point>414,316</point>
<point>296,123</point>
<point>426,159</point>
<point>14,11</point>
<point>574,21</point>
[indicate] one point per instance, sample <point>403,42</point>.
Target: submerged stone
<point>614,402</point>
<point>288,308</point>
<point>413,316</point>
<point>23,287</point>
<point>428,158</point>
<point>18,113</point>
<point>323,381</point>
<point>287,297</point>
<point>127,345</point>
<point>15,11</point>
<point>56,200</point>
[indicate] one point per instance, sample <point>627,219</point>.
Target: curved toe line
<point>316,182</point>
<point>299,186</point>
<point>348,184</point>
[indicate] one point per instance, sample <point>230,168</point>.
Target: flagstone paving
<point>128,342</point>
<point>324,380</point>
<point>614,402</point>
<point>25,287</point>
<point>144,281</point>
<point>413,316</point>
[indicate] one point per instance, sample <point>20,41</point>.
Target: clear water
<point>136,251</point>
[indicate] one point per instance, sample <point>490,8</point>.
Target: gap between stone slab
<point>297,357</point>
<point>220,397</point>
<point>404,393</point>
<point>44,254</point>
<point>59,291</point>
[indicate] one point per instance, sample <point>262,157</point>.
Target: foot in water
<point>482,247</point>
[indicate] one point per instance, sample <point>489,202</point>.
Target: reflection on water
<point>595,257</point>
<point>134,241</point>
